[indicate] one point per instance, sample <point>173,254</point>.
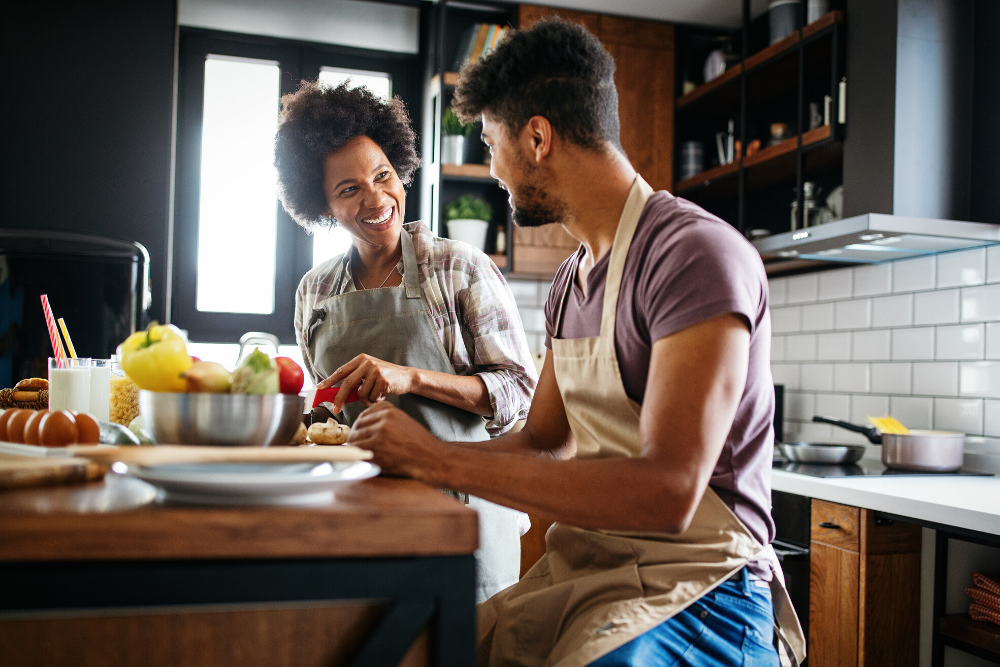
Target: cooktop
<point>864,469</point>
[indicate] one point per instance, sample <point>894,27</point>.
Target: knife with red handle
<point>327,395</point>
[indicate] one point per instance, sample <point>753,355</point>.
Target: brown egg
<point>15,425</point>
<point>31,427</point>
<point>89,429</point>
<point>58,429</point>
<point>4,416</point>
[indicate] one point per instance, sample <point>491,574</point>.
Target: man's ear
<point>539,137</point>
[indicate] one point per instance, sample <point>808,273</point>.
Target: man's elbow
<point>673,516</point>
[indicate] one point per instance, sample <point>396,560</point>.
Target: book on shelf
<point>477,42</point>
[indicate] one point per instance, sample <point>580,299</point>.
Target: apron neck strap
<point>410,278</point>
<point>634,205</point>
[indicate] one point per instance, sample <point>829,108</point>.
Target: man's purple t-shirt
<point>685,266</point>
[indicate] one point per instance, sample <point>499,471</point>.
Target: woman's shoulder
<point>441,253</point>
<point>320,278</point>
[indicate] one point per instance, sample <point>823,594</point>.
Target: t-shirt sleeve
<point>705,269</point>
<point>555,297</point>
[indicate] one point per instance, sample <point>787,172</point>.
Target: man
<point>649,438</point>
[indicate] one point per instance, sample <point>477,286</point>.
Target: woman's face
<point>363,193</point>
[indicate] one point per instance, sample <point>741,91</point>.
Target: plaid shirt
<point>471,308</point>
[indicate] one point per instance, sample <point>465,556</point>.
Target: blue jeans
<point>731,626</point>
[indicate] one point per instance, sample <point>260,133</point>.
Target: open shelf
<point>730,74</point>
<point>467,172</point>
<point>979,634</point>
<point>789,43</point>
<point>450,80</point>
<point>706,177</point>
<point>499,260</point>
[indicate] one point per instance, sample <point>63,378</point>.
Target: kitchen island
<point>108,574</point>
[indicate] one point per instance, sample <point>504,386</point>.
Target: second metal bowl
<point>221,419</point>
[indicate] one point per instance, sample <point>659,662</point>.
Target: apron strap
<point>410,277</point>
<point>634,205</point>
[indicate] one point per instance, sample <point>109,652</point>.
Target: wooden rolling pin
<point>164,454</point>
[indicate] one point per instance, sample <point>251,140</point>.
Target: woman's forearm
<point>467,392</point>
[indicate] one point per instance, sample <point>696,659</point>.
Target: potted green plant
<point>453,138</point>
<point>468,219</point>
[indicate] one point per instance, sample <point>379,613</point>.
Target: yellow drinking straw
<point>69,341</point>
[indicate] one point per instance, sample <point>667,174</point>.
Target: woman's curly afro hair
<point>555,69</point>
<point>317,120</point>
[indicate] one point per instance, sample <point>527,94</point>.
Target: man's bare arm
<point>696,379</point>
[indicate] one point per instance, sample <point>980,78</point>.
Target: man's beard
<point>533,206</point>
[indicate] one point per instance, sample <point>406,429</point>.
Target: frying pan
<point>808,452</point>
<point>917,451</point>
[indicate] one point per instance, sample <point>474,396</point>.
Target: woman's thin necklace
<point>383,282</point>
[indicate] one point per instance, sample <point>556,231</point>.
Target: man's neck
<point>595,194</point>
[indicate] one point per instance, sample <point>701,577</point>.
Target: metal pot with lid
<point>917,451</point>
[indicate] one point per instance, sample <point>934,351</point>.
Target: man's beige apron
<point>596,590</point>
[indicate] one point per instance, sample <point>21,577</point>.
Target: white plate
<point>251,483</point>
<point>36,450</point>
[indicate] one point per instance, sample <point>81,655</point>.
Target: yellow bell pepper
<point>155,358</point>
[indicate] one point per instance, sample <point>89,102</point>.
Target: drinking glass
<point>100,388</point>
<point>69,384</point>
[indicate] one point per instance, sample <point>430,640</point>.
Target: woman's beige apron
<point>596,590</point>
<point>392,324</point>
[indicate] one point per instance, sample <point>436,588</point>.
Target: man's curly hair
<point>317,120</point>
<point>557,70</point>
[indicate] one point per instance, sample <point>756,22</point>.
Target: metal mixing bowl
<point>221,419</point>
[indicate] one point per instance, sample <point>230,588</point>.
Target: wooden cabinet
<point>864,592</point>
<point>644,76</point>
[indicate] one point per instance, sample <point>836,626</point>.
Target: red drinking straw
<point>50,322</point>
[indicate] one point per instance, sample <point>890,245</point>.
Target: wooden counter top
<point>122,518</point>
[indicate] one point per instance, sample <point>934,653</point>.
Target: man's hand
<point>401,445</point>
<point>374,379</point>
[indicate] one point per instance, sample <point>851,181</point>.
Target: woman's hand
<point>374,379</point>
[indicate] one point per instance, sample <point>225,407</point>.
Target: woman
<point>426,323</point>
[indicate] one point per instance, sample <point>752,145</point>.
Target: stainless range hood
<point>870,239</point>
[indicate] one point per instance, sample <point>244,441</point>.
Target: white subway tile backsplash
<point>802,288</point>
<point>991,420</point>
<point>863,407</point>
<point>777,291</point>
<point>936,307</point>
<point>913,275</point>
<point>892,311</point>
<point>958,269</point>
<point>965,341</point>
<point>833,346</point>
<point>913,344</point>
<point>981,303</point>
<point>993,340</point>
<point>913,412</point>
<point>817,377</point>
<point>786,320</point>
<point>936,379</point>
<point>871,345</point>
<point>853,314</point>
<point>801,347</point>
<point>807,432</point>
<point>786,374</point>
<point>959,414</point>
<point>837,284</point>
<point>993,264</point>
<point>852,378</point>
<point>979,378</point>
<point>777,348</point>
<point>873,279</point>
<point>891,378</point>
<point>817,317</point>
<point>837,406</point>
<point>799,406</point>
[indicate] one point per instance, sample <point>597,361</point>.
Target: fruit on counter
<point>89,428</point>
<point>330,433</point>
<point>208,377</point>
<point>258,374</point>
<point>58,429</point>
<point>31,427</point>
<point>156,358</point>
<point>15,425</point>
<point>290,377</point>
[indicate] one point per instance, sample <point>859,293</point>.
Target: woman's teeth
<point>381,219</point>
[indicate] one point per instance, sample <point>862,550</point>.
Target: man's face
<point>531,201</point>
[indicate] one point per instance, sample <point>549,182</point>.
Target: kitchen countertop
<point>972,503</point>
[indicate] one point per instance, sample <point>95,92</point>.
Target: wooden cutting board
<point>18,471</point>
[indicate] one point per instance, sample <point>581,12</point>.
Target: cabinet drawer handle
<point>829,524</point>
